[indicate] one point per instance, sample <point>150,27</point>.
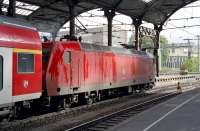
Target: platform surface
<point>181,113</point>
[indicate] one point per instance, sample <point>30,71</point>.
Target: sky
<point>177,35</point>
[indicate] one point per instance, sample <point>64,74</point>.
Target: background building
<point>178,53</point>
<point>99,36</point>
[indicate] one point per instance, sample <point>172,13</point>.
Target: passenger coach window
<point>67,57</point>
<point>25,63</point>
<point>1,73</point>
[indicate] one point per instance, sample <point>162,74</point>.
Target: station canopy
<point>51,15</point>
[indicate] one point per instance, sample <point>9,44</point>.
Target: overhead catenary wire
<point>185,18</point>
<point>121,23</point>
<point>181,28</point>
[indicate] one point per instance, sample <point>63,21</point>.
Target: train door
<point>5,75</point>
<point>75,69</point>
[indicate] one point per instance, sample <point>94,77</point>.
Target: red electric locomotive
<point>79,70</point>
<point>65,72</point>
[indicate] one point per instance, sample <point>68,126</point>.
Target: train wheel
<point>55,103</point>
<point>90,101</point>
<point>99,97</point>
<point>66,103</point>
<point>16,112</point>
<point>7,116</point>
<point>142,92</point>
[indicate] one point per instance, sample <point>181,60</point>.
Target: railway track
<point>43,120</point>
<point>108,121</point>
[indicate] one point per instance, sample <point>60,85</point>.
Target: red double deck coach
<point>20,65</point>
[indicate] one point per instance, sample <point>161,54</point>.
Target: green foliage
<point>191,64</point>
<point>148,43</point>
<point>168,70</point>
<point>164,51</point>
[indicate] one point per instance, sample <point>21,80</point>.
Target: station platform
<point>181,113</point>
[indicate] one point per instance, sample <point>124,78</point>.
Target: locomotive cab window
<point>25,63</point>
<point>67,57</point>
<point>1,73</point>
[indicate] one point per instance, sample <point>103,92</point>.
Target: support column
<point>72,21</point>
<point>11,8</point>
<point>156,47</point>
<point>71,5</point>
<point>109,14</point>
<point>137,23</point>
<point>54,35</point>
<point>1,6</point>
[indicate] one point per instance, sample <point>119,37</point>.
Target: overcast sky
<point>177,35</point>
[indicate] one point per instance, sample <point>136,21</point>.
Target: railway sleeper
<point>106,124</point>
<point>97,129</point>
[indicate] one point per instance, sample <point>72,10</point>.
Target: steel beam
<point>72,4</point>
<point>156,47</point>
<point>12,8</point>
<point>1,6</point>
<point>137,23</point>
<point>54,35</point>
<point>48,6</point>
<point>109,15</point>
<point>72,21</point>
<point>117,4</point>
<point>175,10</point>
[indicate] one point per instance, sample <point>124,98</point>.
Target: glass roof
<point>21,8</point>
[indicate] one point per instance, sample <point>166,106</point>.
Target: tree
<point>191,64</point>
<point>148,43</point>
<point>164,50</point>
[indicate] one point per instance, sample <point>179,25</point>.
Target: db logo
<point>25,83</point>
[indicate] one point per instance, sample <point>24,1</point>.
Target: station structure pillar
<point>109,15</point>
<point>156,47</point>
<point>137,23</point>
<point>11,8</point>
<point>1,6</point>
<point>72,5</point>
<point>54,35</point>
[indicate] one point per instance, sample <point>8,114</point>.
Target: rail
<point>57,116</point>
<point>115,118</point>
